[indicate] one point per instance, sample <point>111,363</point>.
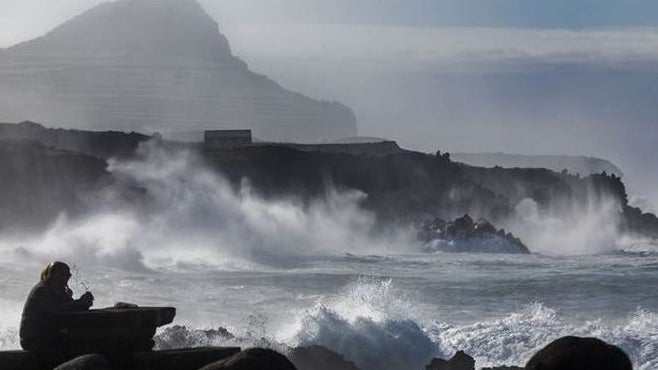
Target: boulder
<point>86,362</point>
<point>319,358</point>
<point>460,361</point>
<point>465,235</point>
<point>253,359</point>
<point>180,359</point>
<point>575,353</point>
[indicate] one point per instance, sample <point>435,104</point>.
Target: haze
<point>522,76</point>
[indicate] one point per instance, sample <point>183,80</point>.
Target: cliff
<point>147,66</point>
<point>48,171</point>
<point>100,144</point>
<point>38,183</point>
<point>413,187</point>
<point>573,164</point>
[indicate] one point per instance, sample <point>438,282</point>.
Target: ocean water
<point>243,270</point>
<point>388,311</point>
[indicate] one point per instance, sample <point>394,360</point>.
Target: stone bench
<point>112,332</point>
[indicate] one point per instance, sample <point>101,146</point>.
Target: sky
<point>521,76</point>
<point>20,19</point>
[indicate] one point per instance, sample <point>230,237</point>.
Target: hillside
<point>147,66</point>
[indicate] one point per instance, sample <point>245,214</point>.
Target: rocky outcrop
<point>637,222</point>
<point>575,353</point>
<point>101,144</point>
<point>584,166</point>
<point>147,65</point>
<point>406,186</point>
<point>566,353</point>
<point>319,358</point>
<point>460,361</point>
<point>86,362</point>
<point>465,235</point>
<point>253,359</point>
<point>38,183</point>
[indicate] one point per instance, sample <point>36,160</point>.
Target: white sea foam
<point>371,323</point>
<point>9,310</point>
<point>513,339</point>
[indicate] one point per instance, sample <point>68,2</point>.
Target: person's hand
<point>88,299</point>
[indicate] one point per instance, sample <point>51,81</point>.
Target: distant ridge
<point>154,65</point>
<point>573,164</point>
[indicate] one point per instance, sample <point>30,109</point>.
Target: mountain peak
<point>154,65</point>
<point>136,28</point>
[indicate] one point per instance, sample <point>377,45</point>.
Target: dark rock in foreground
<point>319,358</point>
<point>575,353</point>
<point>86,362</point>
<point>111,331</point>
<point>253,359</point>
<point>465,235</point>
<point>460,361</point>
<point>180,359</point>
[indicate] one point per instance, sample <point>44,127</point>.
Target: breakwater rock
<point>465,235</point>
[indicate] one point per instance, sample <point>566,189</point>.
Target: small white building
<point>226,138</point>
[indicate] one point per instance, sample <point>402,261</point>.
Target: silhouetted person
<point>38,331</point>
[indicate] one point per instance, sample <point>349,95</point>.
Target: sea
<point>246,271</point>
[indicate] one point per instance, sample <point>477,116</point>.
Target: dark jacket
<point>37,323</point>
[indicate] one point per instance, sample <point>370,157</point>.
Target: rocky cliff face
<point>47,171</point>
<point>38,183</point>
<point>573,164</point>
<point>150,65</point>
<point>99,144</point>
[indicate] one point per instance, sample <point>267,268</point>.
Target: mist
<point>190,216</point>
<point>520,91</point>
<point>472,88</point>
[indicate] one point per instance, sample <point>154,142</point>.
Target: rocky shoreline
<point>566,353</point>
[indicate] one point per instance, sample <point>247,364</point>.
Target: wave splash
<point>180,202</point>
<point>513,339</point>
<point>373,325</point>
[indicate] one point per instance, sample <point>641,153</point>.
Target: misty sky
<point>417,70</point>
<point>20,19</point>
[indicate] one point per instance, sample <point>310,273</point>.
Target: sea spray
<point>387,344</point>
<point>77,277</point>
<point>589,228</point>
<point>183,202</point>
<point>369,322</point>
<point>513,339</point>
